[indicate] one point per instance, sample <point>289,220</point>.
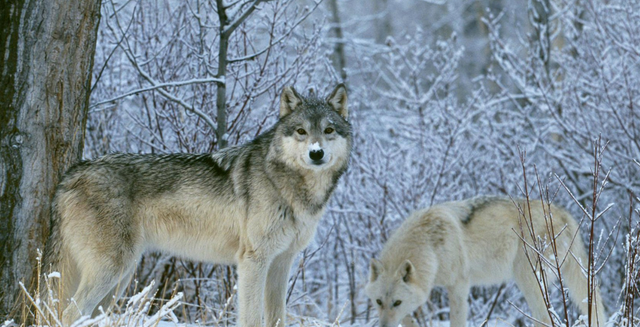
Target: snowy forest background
<point>448,99</point>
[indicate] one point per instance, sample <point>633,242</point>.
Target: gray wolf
<point>255,205</point>
<point>473,242</point>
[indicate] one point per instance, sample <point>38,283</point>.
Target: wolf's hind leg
<point>91,291</point>
<point>115,293</point>
<point>276,289</point>
<point>97,280</point>
<point>577,283</point>
<point>528,285</point>
<point>458,303</point>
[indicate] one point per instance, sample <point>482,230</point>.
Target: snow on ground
<point>309,322</point>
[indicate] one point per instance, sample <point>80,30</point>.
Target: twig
<point>495,301</point>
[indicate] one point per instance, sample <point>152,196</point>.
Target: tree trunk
<point>46,58</point>
<point>221,93</point>
<point>227,26</point>
<point>339,59</point>
<point>383,24</point>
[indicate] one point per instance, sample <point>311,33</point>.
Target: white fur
<point>433,247</point>
<point>296,152</point>
<point>315,146</point>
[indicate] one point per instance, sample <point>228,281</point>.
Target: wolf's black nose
<point>316,155</point>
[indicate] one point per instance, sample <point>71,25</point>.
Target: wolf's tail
<point>575,279</point>
<point>52,246</point>
<point>56,266</point>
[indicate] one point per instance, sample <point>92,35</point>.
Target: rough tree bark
<point>46,57</point>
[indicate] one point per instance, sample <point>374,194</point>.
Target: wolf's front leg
<point>276,289</point>
<point>252,276</point>
<point>459,307</point>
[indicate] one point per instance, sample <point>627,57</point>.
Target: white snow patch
<point>54,274</point>
<point>140,296</point>
<point>164,323</point>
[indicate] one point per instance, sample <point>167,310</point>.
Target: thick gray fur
<point>255,205</point>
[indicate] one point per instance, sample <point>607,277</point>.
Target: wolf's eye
<point>328,130</point>
<point>379,302</point>
<point>397,303</point>
<point>301,131</point>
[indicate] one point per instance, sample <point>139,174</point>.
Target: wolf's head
<point>313,132</point>
<point>394,292</point>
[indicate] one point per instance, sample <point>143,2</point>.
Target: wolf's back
<point>119,177</point>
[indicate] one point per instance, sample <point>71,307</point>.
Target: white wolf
<point>472,242</point>
<point>255,205</point>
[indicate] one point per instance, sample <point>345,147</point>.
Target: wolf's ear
<point>289,100</point>
<point>375,269</point>
<point>338,100</point>
<point>407,271</point>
